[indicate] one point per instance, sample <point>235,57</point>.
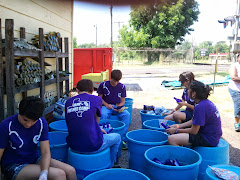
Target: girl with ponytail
<point>205,127</point>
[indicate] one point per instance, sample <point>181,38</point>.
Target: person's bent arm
<point>122,102</point>
<point>183,103</point>
<point>109,106</point>
<point>192,130</point>
<point>46,157</point>
<point>1,153</point>
<point>233,74</point>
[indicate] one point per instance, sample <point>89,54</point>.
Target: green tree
<point>75,42</point>
<point>162,25</point>
<point>222,47</point>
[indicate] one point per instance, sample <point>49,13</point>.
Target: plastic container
<point>154,124</point>
<point>211,175</point>
<point>117,174</point>
<point>212,156</point>
<point>129,104</point>
<point>86,164</point>
<point>145,116</point>
<point>60,125</point>
<point>118,127</point>
<point>138,142</point>
<point>189,163</point>
<point>58,145</point>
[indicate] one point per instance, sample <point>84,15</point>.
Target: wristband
<point>177,126</point>
<point>177,131</point>
<point>43,175</point>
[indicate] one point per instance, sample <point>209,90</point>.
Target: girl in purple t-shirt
<point>205,127</point>
<point>182,116</point>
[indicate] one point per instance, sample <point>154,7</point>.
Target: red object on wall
<point>91,60</point>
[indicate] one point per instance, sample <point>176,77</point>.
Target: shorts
<point>198,140</point>
<point>236,101</point>
<point>189,115</point>
<point>11,171</point>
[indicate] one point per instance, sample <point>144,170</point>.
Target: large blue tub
<point>117,174</point>
<point>60,125</point>
<point>88,163</point>
<point>118,127</point>
<point>58,145</point>
<point>188,159</point>
<point>212,156</point>
<point>145,116</point>
<point>154,124</point>
<point>138,142</point>
<point>210,175</point>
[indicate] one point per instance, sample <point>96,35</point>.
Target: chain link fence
<point>133,56</point>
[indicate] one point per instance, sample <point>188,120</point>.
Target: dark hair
<point>202,90</point>
<point>116,75</point>
<point>85,85</point>
<point>32,107</point>
<point>188,75</point>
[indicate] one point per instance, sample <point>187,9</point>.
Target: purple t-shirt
<point>186,98</point>
<point>207,116</point>
<point>112,95</point>
<point>84,133</point>
<point>20,143</point>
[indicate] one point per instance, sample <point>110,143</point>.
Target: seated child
<point>82,114</point>
<point>182,116</point>
<point>205,127</point>
<point>20,135</point>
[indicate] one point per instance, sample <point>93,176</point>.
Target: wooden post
<point>57,78</point>
<point>9,55</point>
<point>2,109</point>
<point>60,62</point>
<point>41,60</point>
<point>23,36</point>
<point>66,64</point>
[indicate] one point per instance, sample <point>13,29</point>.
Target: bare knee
<point>70,172</point>
<point>171,140</point>
<point>58,174</point>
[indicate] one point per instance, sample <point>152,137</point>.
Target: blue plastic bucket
<point>118,127</point>
<point>138,142</point>
<point>211,175</point>
<point>58,145</point>
<point>212,156</point>
<point>56,118</point>
<point>129,104</point>
<point>88,163</point>
<point>117,174</point>
<point>154,124</point>
<point>145,116</point>
<point>60,125</point>
<point>188,159</point>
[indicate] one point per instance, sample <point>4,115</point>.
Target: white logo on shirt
<point>79,107</point>
<point>217,113</point>
<point>105,87</point>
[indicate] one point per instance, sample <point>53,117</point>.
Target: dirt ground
<point>146,89</point>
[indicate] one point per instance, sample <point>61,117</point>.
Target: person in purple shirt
<point>82,113</point>
<point>182,116</point>
<point>20,135</point>
<point>113,94</point>
<point>205,127</point>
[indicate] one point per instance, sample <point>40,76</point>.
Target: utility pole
<point>236,28</point>
<point>118,39</point>
<point>96,33</point>
<point>111,7</point>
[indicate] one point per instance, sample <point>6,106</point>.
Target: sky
<point>89,16</point>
